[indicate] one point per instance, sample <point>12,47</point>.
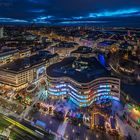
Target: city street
<point>73,132</point>
<point>76,82</point>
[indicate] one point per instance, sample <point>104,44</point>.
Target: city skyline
<point>69,70</point>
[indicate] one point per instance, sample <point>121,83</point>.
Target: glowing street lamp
<point>50,122</point>
<point>67,136</point>
<point>73,130</point>
<point>79,124</point>
<point>97,136</point>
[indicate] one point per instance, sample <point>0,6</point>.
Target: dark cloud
<point>42,10</point>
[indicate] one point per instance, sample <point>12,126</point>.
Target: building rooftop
<point>127,64</point>
<point>7,52</point>
<point>25,63</point>
<point>132,90</point>
<point>83,50</point>
<point>64,44</point>
<point>82,69</point>
<point>106,43</point>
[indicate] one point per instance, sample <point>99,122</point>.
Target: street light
<point>97,136</point>
<point>79,124</point>
<point>73,130</point>
<point>67,136</point>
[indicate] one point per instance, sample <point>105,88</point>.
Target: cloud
<point>45,10</point>
<point>43,19</point>
<point>37,10</point>
<point>12,20</point>
<point>118,13</point>
<point>81,22</point>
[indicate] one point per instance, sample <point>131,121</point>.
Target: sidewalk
<point>61,130</point>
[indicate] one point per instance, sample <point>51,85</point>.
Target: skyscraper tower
<point>1,32</point>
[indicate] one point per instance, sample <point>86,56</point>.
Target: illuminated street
<point>69,70</point>
<point>58,106</point>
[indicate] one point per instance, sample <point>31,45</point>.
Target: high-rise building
<point>25,70</point>
<point>1,32</point>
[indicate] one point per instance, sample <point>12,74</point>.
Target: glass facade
<point>84,94</point>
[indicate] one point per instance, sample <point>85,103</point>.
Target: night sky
<point>40,11</point>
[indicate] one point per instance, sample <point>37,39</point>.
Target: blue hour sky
<point>40,11</point>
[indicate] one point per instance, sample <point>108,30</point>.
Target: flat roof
<point>133,90</point>
<point>83,50</point>
<point>65,68</point>
<point>7,52</point>
<point>25,63</point>
<point>106,43</point>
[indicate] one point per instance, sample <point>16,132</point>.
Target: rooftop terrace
<point>83,70</point>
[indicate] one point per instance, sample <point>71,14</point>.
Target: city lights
<point>69,70</point>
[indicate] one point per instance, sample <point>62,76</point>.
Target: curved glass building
<point>84,80</point>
